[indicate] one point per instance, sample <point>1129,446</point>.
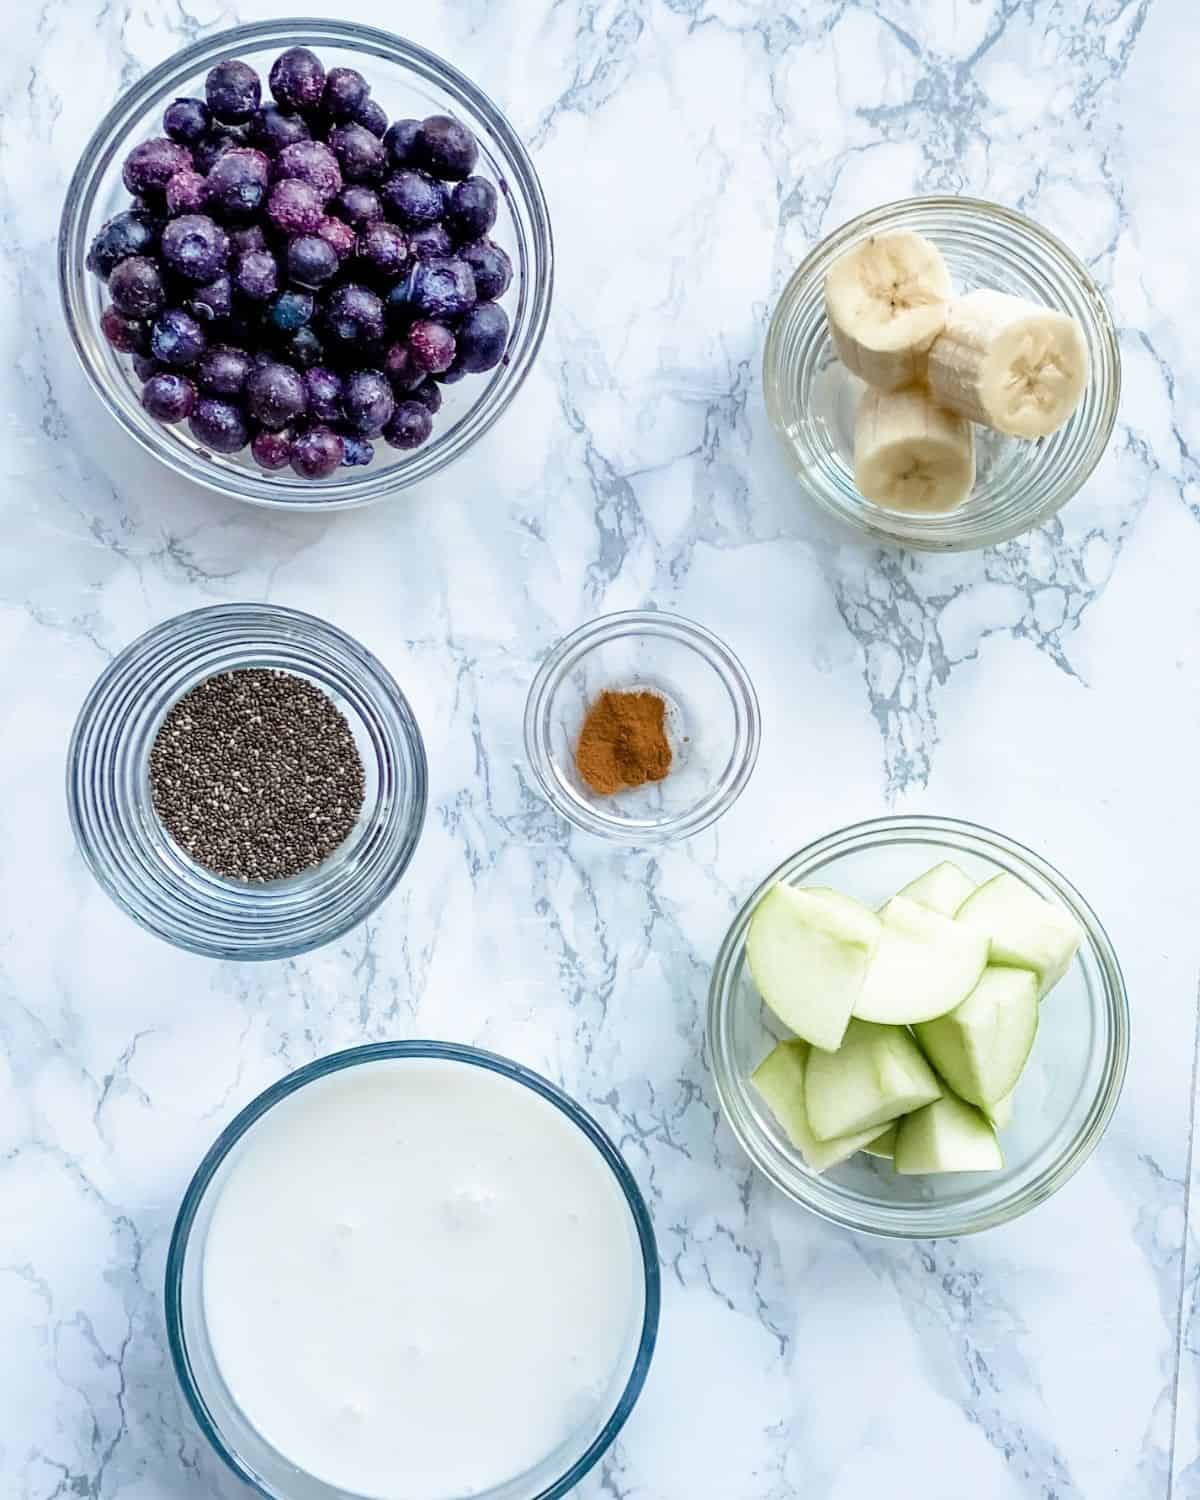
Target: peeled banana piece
<point>885,301</point>
<point>910,454</point>
<point>1008,363</point>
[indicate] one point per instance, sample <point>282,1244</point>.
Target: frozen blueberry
<point>383,250</point>
<point>297,79</point>
<point>312,162</point>
<point>294,207</point>
<point>271,129</point>
<point>490,266</point>
<point>324,388</point>
<point>445,147</point>
<point>136,287</point>
<point>345,90</point>
<point>453,375</point>
<point>186,120</point>
<point>399,140</point>
<point>289,311</point>
<point>238,180</point>
<point>195,247</point>
<point>247,237</point>
<point>219,425</point>
<point>177,339</point>
<point>127,234</point>
<point>311,260</point>
<point>187,192</point>
<point>442,288</point>
<point>316,453</point>
<point>275,395</point>
<point>213,301</point>
<point>482,338</point>
<point>271,450</point>
<point>412,198</point>
<point>373,116</point>
<point>151,165</point>
<point>360,154</point>
<point>354,317</point>
<point>431,345</point>
<point>304,349</point>
<point>257,275</point>
<point>145,365</point>
<point>169,397</point>
<point>358,205</point>
<point>411,424</point>
<point>233,91</point>
<point>401,369</point>
<point>472,210</point>
<point>126,335</point>
<point>368,402</point>
<point>334,232</point>
<point>358,451</point>
<point>210,148</point>
<point>434,239</point>
<point>222,370</point>
<point>429,394</point>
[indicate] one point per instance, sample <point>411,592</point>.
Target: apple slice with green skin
<point>922,967</point>
<point>779,1078</point>
<point>884,1145</point>
<point>808,950</point>
<point>876,1075</point>
<point>1024,930</point>
<point>981,1046</point>
<point>948,1135</point>
<point>942,889</point>
<point>1001,1113</point>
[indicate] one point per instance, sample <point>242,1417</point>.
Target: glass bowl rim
<point>356,488</point>
<point>451,1052</point>
<point>571,649</point>
<point>805,1187</point>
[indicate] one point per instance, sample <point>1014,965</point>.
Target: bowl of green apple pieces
<point>917,1027</point>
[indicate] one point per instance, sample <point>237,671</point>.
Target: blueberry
<point>354,317</point>
<point>360,154</point>
<point>345,90</point>
<point>412,198</point>
<point>401,369</point>
<point>411,424</point>
<point>431,345</point>
<point>257,275</point>
<point>472,210</point>
<point>383,251</point>
<point>212,147</point>
<point>275,395</point>
<point>373,116</point>
<point>311,261</point>
<point>126,335</point>
<point>222,370</point>
<point>144,365</point>
<point>271,129</point>
<point>271,450</point>
<point>290,311</point>
<point>195,248</point>
<point>213,301</point>
<point>294,207</point>
<point>297,79</point>
<point>219,425</point>
<point>358,451</point>
<point>125,235</point>
<point>303,349</point>
<point>368,402</point>
<point>233,91</point>
<point>358,205</point>
<point>324,388</point>
<point>177,339</point>
<point>187,192</point>
<point>490,266</point>
<point>434,239</point>
<point>429,394</point>
<point>453,375</point>
<point>445,147</point>
<point>317,453</point>
<point>237,181</point>
<point>186,120</point>
<point>312,162</point>
<point>399,140</point>
<point>442,288</point>
<point>334,232</point>
<point>247,237</point>
<point>482,338</point>
<point>169,397</point>
<point>136,287</point>
<point>151,165</point>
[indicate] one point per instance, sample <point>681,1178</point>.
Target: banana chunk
<point>1008,363</point>
<point>911,454</point>
<point>886,301</point>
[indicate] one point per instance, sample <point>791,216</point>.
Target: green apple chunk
<point>779,1078</point>
<point>942,889</point>
<point>948,1135</point>
<point>808,951</point>
<point>883,1145</point>
<point>922,967</point>
<point>1000,1113</point>
<point>1023,929</point>
<point>877,1074</point>
<point>981,1046</point>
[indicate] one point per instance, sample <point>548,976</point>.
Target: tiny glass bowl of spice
<point>246,781</point>
<point>642,727</point>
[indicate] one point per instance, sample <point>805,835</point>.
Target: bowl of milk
<point>412,1269</point>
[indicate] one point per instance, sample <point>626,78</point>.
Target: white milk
<point>421,1279</point>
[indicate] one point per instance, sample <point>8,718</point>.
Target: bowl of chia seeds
<point>246,781</point>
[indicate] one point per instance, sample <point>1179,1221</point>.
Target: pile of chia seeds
<point>256,775</point>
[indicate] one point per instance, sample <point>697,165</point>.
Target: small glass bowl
<point>223,1424</point>
<point>812,398</point>
<point>141,867</point>
<point>407,80</point>
<point>1062,1104</point>
<point>712,724</point>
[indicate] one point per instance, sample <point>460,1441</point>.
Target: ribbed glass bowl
<point>407,81</point>
<point>812,398</point>
<point>1062,1104</point>
<point>141,867</point>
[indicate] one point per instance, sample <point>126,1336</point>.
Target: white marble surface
<point>691,151</point>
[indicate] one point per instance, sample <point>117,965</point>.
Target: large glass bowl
<point>407,81</point>
<point>812,398</point>
<point>1062,1104</point>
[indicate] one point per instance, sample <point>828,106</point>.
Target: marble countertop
<point>691,151</point>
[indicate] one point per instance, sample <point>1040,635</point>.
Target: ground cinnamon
<point>623,742</point>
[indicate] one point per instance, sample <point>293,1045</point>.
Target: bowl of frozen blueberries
<point>305,263</point>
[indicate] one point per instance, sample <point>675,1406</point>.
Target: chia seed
<point>256,775</point>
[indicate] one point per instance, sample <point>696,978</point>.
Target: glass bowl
<point>407,80</point>
<point>224,1425</point>
<point>712,724</point>
<point>1065,1097</point>
<point>812,398</point>
<point>141,867</point>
